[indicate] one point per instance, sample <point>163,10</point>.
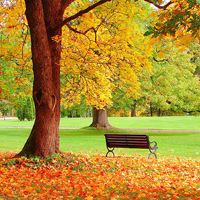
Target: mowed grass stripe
<point>169,123</point>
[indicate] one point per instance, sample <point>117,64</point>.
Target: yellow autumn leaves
<point>16,64</point>
<point>106,51</point>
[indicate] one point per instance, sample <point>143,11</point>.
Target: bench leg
<point>153,150</point>
<point>153,154</point>
<point>110,150</point>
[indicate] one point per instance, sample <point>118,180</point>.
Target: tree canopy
<point>99,55</point>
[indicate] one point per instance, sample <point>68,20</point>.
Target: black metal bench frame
<point>139,141</point>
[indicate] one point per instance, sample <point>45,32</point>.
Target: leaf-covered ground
<point>78,176</point>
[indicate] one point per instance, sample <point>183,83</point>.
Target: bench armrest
<point>154,142</point>
<point>155,147</point>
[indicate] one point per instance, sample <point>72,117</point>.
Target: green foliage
<point>4,107</point>
<point>30,109</point>
<point>21,109</point>
<point>172,86</point>
<point>80,109</point>
<point>26,109</point>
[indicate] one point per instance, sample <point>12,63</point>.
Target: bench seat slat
<point>138,146</point>
<point>125,136</point>
<point>128,140</point>
<point>128,143</point>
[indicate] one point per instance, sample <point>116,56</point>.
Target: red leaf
<point>25,192</point>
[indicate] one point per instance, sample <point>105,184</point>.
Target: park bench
<point>139,141</point>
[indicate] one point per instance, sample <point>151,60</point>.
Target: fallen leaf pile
<point>78,176</point>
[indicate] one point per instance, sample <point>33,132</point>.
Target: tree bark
<point>100,119</point>
<point>4,115</point>
<point>197,71</point>
<point>42,17</point>
<point>133,110</point>
<point>151,109</point>
<point>159,112</point>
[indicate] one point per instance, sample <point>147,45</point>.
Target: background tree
<point>194,48</point>
<point>21,109</point>
<point>172,84</point>
<point>15,60</point>
<point>103,56</point>
<point>30,109</point>
<point>5,107</point>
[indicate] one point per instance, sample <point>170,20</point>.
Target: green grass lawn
<point>91,141</point>
<point>174,123</point>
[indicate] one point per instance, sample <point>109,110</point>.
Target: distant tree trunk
<point>4,115</point>
<point>100,119</point>
<point>197,71</point>
<point>151,109</point>
<point>133,110</point>
<point>159,112</point>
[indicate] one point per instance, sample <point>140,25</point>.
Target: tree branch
<point>76,31</point>
<point>164,7</point>
<point>81,13</point>
<point>160,60</point>
<point>84,33</point>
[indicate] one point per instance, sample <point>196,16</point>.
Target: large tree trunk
<point>42,17</point>
<point>100,119</point>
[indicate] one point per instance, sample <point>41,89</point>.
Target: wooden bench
<point>139,141</point>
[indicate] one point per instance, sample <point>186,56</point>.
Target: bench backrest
<point>127,141</point>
